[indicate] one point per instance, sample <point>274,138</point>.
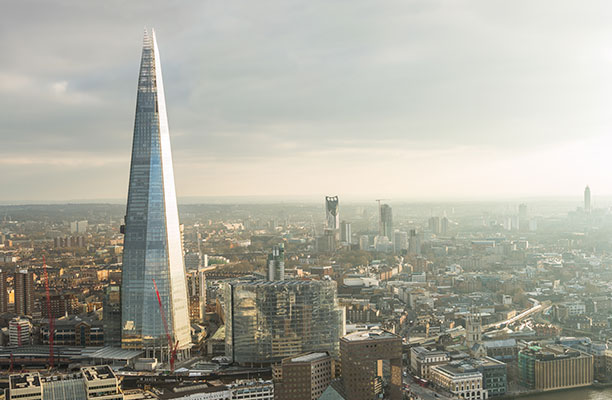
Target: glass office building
<point>152,244</point>
<point>268,321</point>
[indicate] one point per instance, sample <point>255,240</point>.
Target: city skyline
<point>445,96</point>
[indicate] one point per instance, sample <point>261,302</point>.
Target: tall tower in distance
<point>152,244</point>
<point>587,199</point>
<point>276,263</point>
<point>386,221</point>
<point>332,215</point>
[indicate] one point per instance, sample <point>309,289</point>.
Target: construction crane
<point>49,314</point>
<point>172,347</point>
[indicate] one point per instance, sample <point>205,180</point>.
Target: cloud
<point>359,91</point>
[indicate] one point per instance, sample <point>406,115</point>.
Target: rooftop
<point>309,357</point>
<point>376,334</point>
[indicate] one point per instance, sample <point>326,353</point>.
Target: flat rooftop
<point>309,357</point>
<point>377,334</point>
<point>23,381</point>
<point>97,372</point>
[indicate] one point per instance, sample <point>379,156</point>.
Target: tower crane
<point>49,314</point>
<point>172,347</point>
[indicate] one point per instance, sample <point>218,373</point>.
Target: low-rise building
<point>423,359</point>
<point>461,379</point>
<point>303,377</point>
<point>554,367</point>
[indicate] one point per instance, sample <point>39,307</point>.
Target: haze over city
<point>417,100</point>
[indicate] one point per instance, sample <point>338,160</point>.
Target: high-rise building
<point>268,321</point>
<point>386,221</point>
<point>24,292</point>
<point>276,263</point>
<point>78,226</point>
<point>303,377</point>
<point>434,225</point>
<point>444,226</point>
<point>363,369</point>
<point>332,215</point>
<point>111,316</point>
<point>345,232</point>
<point>414,242</point>
<point>152,246</point>
<point>3,292</point>
<point>400,241</point>
<point>587,199</point>
<point>364,242</point>
<point>196,288</point>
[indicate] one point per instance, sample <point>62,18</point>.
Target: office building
<point>24,292</point>
<point>62,305</point>
<point>332,213</point>
<point>554,367</point>
<point>444,222</point>
<point>152,243</point>
<point>276,263</point>
<point>20,332</point>
<point>423,359</point>
<point>98,382</point>
<point>434,225</point>
<point>414,243</point>
<point>345,232</point>
<point>400,242</point>
<point>78,226</point>
<point>386,221</point>
<point>111,316</point>
<point>267,321</point>
<point>364,242</point>
<point>494,375</point>
<point>251,390</point>
<point>587,200</point>
<point>461,379</point>
<point>303,377</point>
<point>363,367</point>
<point>3,292</point>
<point>196,289</point>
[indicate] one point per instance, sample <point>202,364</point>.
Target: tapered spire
<point>152,245</point>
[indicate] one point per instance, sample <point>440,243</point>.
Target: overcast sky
<point>400,99</point>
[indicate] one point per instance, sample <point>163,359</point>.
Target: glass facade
<point>152,243</point>
<point>268,321</point>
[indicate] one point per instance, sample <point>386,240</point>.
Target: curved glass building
<point>268,321</point>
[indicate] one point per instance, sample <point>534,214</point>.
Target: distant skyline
<point>408,100</point>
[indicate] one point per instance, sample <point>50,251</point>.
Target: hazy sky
<point>400,99</point>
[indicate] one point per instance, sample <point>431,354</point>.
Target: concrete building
<point>24,292</point>
<point>303,377</point>
<point>554,367</point>
<point>252,390</point>
<point>423,359</point>
<point>346,233</point>
<point>363,372</point>
<point>196,290</point>
<point>20,331</point>
<point>27,386</point>
<point>461,379</point>
<point>3,292</point>
<point>587,200</point>
<point>98,382</point>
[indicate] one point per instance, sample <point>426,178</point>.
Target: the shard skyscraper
<point>152,243</point>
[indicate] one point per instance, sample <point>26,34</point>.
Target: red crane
<point>172,347</point>
<point>49,315</point>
